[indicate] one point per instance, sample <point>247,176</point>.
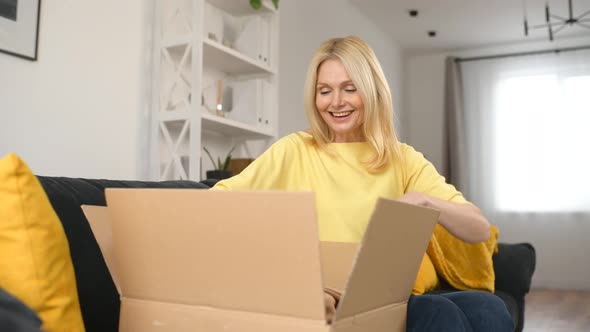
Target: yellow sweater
<point>345,191</point>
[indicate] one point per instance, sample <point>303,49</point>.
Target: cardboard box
<point>198,260</point>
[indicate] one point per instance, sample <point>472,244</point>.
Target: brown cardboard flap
<point>245,251</point>
<point>389,257</point>
<point>337,261</point>
<point>150,316</point>
<point>100,223</point>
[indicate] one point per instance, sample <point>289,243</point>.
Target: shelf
<point>229,60</point>
<point>168,116</point>
<point>223,126</point>
<point>242,7</point>
<point>176,41</point>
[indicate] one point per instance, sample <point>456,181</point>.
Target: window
<point>541,143</point>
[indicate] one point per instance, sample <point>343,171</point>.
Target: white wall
<point>79,111</point>
<point>562,252</point>
<point>304,25</point>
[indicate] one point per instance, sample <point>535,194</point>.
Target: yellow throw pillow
<point>427,278</point>
<point>35,262</point>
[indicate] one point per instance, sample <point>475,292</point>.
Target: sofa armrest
<point>514,265</point>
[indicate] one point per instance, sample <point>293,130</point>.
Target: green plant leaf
<point>256,4</point>
<point>220,166</point>
<point>276,3</point>
<point>226,164</point>
<point>228,158</point>
<point>210,157</point>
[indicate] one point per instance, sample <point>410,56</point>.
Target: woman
<point>350,157</point>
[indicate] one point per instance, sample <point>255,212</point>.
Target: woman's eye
<point>325,92</point>
<point>350,89</point>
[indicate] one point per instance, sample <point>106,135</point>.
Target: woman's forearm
<point>464,221</point>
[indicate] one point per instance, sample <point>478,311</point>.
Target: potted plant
<point>220,171</point>
<point>256,4</point>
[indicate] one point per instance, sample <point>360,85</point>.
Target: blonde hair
<point>364,69</point>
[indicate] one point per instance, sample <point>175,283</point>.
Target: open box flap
<point>249,251</point>
<point>337,262</point>
<point>389,257</point>
<point>100,223</point>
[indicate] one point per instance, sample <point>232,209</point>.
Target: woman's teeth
<point>340,114</point>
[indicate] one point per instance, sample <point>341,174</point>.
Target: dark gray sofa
<point>99,300</point>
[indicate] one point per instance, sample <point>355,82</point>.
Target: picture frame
<point>19,28</point>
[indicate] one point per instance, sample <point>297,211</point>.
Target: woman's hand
<point>330,304</point>
<point>464,221</point>
<point>415,198</point>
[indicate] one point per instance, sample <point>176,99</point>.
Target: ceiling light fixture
<point>556,23</point>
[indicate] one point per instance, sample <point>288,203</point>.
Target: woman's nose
<point>337,99</point>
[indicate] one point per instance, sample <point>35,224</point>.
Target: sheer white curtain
<point>528,140</point>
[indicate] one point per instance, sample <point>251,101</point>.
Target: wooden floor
<point>557,311</point>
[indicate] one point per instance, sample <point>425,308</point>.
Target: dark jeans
<point>458,311</point>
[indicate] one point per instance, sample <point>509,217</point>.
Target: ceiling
<point>467,23</point>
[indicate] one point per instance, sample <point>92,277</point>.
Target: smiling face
<point>339,103</point>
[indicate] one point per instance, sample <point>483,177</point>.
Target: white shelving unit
<point>229,60</point>
<point>218,125</point>
<point>198,43</point>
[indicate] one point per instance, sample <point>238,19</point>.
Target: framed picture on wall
<point>19,27</point>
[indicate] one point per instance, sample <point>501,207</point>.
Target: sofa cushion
<point>35,263</point>
<point>99,299</point>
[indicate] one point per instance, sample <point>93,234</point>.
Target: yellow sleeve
<point>265,172</point>
<point>421,176</point>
